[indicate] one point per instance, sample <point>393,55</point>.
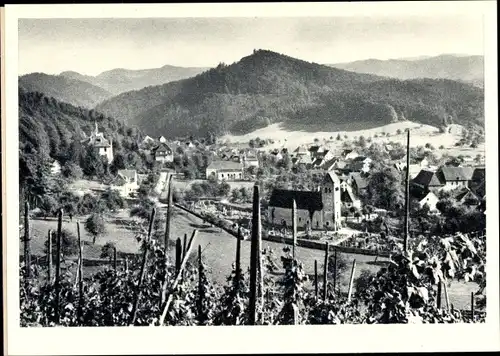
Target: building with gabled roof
<point>454,177</point>
<point>427,179</point>
<point>315,209</point>
<point>162,153</point>
<point>225,170</point>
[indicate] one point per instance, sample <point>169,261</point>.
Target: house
<point>359,183</point>
<point>349,200</point>
<point>103,145</point>
<point>464,195</point>
<point>454,177</point>
<point>301,151</point>
<point>162,153</point>
<point>225,170</point>
<point>478,181</point>
<point>162,139</point>
<point>349,154</point>
<point>250,159</point>
<point>276,153</point>
<point>55,168</point>
<point>315,209</point>
<point>427,180</point>
<point>360,164</point>
<point>189,144</point>
<point>428,198</point>
<point>126,182</point>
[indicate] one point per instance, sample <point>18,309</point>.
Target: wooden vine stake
<point>168,217</point>
<point>294,227</point>
<point>200,288</point>
<point>27,250</point>
<point>325,273</point>
<point>49,257</point>
<point>446,297</point>
<point>237,273</point>
<point>335,272</point>
<point>58,264</point>
<point>184,246</point>
<point>177,279</point>
<point>80,274</point>
<point>178,254</point>
<point>407,194</point>
<point>439,292</point>
<point>316,279</point>
<point>138,292</point>
<point>472,310</point>
<point>114,258</point>
<point>254,255</point>
<point>351,281</point>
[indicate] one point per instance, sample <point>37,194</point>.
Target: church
<point>317,210</point>
<point>103,145</point>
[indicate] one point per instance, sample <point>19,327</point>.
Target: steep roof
<point>225,166</point>
<point>447,174</point>
<point>347,196</point>
<point>479,174</point>
<point>305,200</point>
<point>162,147</point>
<point>361,182</point>
<point>332,177</point>
<point>462,192</point>
<point>427,179</point>
<point>127,173</point>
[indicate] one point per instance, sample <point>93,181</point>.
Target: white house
<point>225,170</point>
<point>162,139</point>
<point>162,153</point>
<point>55,168</point>
<point>126,182</point>
<point>454,177</point>
<point>430,199</point>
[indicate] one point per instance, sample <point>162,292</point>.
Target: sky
<point>91,46</point>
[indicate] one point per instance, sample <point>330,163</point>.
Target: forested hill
<point>119,80</point>
<point>268,87</point>
<point>72,91</point>
<point>468,69</point>
<point>50,129</point>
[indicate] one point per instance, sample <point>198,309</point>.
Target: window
<point>337,188</point>
<point>326,190</point>
<point>300,219</point>
<point>317,223</point>
<point>327,223</point>
<point>105,149</point>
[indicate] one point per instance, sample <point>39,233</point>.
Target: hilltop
<point>468,69</point>
<point>268,87</point>
<point>69,90</point>
<point>121,80</point>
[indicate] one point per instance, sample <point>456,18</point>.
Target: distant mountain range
<point>119,80</point>
<point>71,91</point>
<point>267,87</point>
<point>469,69</point>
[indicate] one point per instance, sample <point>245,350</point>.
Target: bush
<point>69,244</point>
<point>95,226</point>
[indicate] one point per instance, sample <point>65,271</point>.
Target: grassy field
<point>218,249</point>
<point>185,184</point>
<point>421,134</point>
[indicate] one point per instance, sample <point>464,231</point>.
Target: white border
<point>178,340</point>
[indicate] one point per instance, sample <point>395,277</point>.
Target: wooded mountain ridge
<point>469,69</point>
<point>267,87</point>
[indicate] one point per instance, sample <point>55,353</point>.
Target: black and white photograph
<point>244,169</point>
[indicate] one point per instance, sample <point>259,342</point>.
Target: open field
<point>218,249</point>
<point>421,134</point>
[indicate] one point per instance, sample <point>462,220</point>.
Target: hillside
<point>118,81</point>
<point>50,129</point>
<point>267,87</point>
<point>72,91</point>
<point>468,69</point>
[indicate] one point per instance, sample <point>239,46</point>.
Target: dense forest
<point>68,90</point>
<point>52,130</point>
<point>268,87</point>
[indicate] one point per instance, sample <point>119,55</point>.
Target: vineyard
<point>153,289</point>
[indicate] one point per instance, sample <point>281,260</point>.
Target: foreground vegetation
<point>152,289</point>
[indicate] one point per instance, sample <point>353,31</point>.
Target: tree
<point>143,209</point>
<point>108,250</point>
<point>90,204</point>
<point>48,205</point>
<point>95,226</point>
<point>71,170</point>
<point>112,200</point>
<point>339,138</point>
<point>235,195</point>
<point>69,244</point>
<point>92,163</point>
<point>385,189</point>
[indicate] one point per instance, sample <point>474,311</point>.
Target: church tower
<point>330,195</point>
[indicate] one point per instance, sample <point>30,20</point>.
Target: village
<point>332,191</point>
